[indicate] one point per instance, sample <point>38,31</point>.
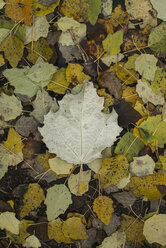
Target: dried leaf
<point>75,74</point>
<point>13,49</point>
<point>60,167</point>
<point>9,222</point>
<point>10,107</point>
<point>62,196</point>
<point>43,10</point>
<point>116,240</point>
<point>103,207</point>
<point>94,10</point>
<point>113,42</point>
<point>77,231</point>
<point>79,183</point>
<point>119,17</point>
<point>160,7</point>
<point>14,141</point>
<point>32,199</point>
<point>91,125</point>
<point>26,125</point>
<point>32,241</point>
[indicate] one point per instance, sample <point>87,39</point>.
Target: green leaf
<point>160,6</point>
<point>157,38</point>
<point>129,145</point>
<point>113,42</point>
<point>93,10</point>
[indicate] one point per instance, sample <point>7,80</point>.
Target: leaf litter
<point>78,78</point>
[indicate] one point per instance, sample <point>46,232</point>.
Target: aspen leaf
<point>160,7</point>
<point>147,186</point>
<point>74,228</point>
<point>142,166</point>
<point>39,29</point>
<point>3,34</point>
<point>109,59</point>
<point>10,107</point>
<point>155,229</point>
<point>108,99</point>
<point>113,42</point>
<point>90,123</point>
<point>129,145</point>
<point>58,83</point>
<point>14,142</point>
<point>9,222</point>
<point>76,9</point>
<point>60,167</point>
<point>113,170</point>
<point>2,61</point>
<point>79,183</point>
<point>2,3</point>
<point>41,48</point>
<point>20,10</point>
<point>55,231</point>
<point>103,207</point>
<point>74,74</point>
<point>116,240</point>
<point>133,229</point>
<point>145,64</point>
<point>63,200</point>
<point>93,10</point>
<point>13,49</point>
<point>119,16</point>
<point>41,10</point>
<point>32,199</point>
<point>32,241</point>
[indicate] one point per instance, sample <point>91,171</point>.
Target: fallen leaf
<point>9,222</point>
<point>32,199</point>
<point>145,64</point>
<point>2,4</point>
<point>148,95</point>
<point>10,107</point>
<point>108,100</point>
<point>109,59</point>
<point>42,104</point>
<point>106,8</point>
<point>113,170</point>
<point>43,10</point>
<point>20,10</point>
<point>63,198</point>
<point>39,29</point>
<point>77,231</point>
<point>119,17</point>
<point>142,166</point>
<point>31,148</point>
<point>13,49</point>
<point>32,241</point>
<point>75,74</point>
<point>14,141</point>
<point>113,42</point>
<point>155,229</point>
<point>96,123</point>
<point>79,183</point>
<point>26,125</point>
<point>129,145</point>
<point>160,8</point>
<point>116,240</point>
<point>103,207</point>
<point>60,167</point>
<point>127,199</point>
<point>93,11</point>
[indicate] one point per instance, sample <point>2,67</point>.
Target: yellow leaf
<point>13,48</point>
<point>133,229</point>
<point>113,170</point>
<point>76,9</point>
<point>108,99</point>
<point>41,48</point>
<point>103,207</point>
<point>58,82</point>
<point>2,61</point>
<point>74,228</point>
<point>130,94</point>
<point>139,107</point>
<point>32,199</point>
<point>119,17</point>
<point>20,10</point>
<point>42,159</point>
<point>55,231</point>
<point>74,74</point>
<point>41,10</point>
<point>13,142</point>
<point>147,186</point>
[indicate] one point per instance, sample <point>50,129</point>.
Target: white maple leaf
<point>79,131</point>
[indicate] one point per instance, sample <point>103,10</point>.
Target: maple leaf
<point>79,131</point>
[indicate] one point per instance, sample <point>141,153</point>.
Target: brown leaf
<point>31,148</point>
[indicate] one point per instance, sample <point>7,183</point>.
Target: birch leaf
<point>2,3</point>
<point>90,130</point>
<point>9,222</point>
<point>93,10</point>
<point>61,194</point>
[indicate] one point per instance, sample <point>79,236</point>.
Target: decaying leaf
<point>79,183</point>
<point>116,240</point>
<point>155,229</point>
<point>9,222</point>
<point>133,229</point>
<point>83,127</point>
<point>32,241</point>
<point>32,199</point>
<point>77,231</point>
<point>147,186</point>
<point>142,166</point>
<point>14,141</point>
<point>43,10</point>
<point>10,107</point>
<point>60,167</point>
<point>13,49</point>
<point>113,170</point>
<point>26,125</point>
<point>75,74</point>
<point>119,17</point>
<point>63,200</point>
<point>103,207</point>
